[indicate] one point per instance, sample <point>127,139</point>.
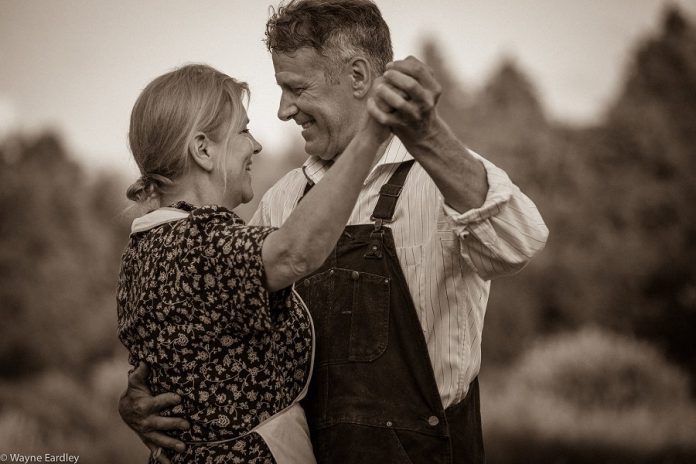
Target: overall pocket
<point>351,314</point>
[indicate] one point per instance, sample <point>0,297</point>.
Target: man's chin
<point>319,151</point>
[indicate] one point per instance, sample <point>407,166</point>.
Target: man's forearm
<point>460,177</point>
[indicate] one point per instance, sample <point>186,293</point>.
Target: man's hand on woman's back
<point>140,410</point>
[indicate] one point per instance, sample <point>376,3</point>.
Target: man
<point>399,306</point>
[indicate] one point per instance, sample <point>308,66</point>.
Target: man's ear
<point>200,151</point>
<point>360,77</point>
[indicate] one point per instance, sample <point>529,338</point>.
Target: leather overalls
<point>373,396</point>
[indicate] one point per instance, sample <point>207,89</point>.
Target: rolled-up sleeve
<point>503,234</point>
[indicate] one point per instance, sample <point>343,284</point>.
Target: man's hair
<point>337,29</point>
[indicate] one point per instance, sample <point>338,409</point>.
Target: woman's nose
<point>257,146</point>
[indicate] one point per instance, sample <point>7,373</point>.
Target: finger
<point>393,98</point>
<point>138,376</point>
<point>383,106</point>
<point>385,118</point>
<point>159,456</point>
<point>159,423</point>
<point>408,86</point>
<point>163,401</point>
<point>418,70</point>
<point>163,441</point>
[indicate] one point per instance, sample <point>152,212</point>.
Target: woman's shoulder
<point>221,229</point>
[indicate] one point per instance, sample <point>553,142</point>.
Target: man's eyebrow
<point>289,80</point>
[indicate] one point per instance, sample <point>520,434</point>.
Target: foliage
<point>53,412</point>
<point>590,396</point>
<point>617,198</point>
<point>592,369</point>
<point>59,249</point>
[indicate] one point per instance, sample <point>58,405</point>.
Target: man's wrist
<point>438,138</point>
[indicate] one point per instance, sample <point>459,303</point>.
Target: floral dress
<point>192,305</point>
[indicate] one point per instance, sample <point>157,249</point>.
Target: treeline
<point>61,234</point>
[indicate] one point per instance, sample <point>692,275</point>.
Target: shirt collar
<point>315,168</point>
<point>156,218</point>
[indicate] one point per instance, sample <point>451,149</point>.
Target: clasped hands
<point>405,99</point>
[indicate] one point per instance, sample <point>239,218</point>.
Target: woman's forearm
<point>309,234</point>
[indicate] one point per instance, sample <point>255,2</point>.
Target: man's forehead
<point>299,60</point>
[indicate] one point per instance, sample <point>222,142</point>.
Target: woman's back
<point>192,305</point>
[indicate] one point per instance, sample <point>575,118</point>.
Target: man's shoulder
<point>284,192</point>
<point>294,177</point>
<point>290,183</point>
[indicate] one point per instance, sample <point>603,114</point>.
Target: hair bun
<point>147,186</point>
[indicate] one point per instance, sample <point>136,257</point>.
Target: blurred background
<point>589,353</point>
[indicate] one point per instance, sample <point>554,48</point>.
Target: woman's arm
<point>309,234</point>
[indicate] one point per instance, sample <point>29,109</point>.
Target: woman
<point>206,301</point>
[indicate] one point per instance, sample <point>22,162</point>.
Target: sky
<point>77,66</point>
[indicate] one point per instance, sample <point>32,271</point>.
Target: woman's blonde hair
<point>167,115</point>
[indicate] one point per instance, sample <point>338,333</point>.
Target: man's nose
<point>287,108</point>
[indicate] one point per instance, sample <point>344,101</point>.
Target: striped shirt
<point>447,257</point>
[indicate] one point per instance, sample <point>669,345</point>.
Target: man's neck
<point>378,156</point>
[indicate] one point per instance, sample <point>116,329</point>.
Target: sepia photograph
<point>348,231</point>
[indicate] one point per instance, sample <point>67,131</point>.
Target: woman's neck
<point>197,193</point>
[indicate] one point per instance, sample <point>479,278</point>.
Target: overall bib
<point>373,396</point>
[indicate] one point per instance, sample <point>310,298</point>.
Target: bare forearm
<point>307,237</point>
<point>460,177</point>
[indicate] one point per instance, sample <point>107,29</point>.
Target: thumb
<point>139,375</point>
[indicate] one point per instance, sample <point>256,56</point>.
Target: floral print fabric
<point>192,305</point>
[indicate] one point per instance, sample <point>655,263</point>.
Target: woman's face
<point>234,164</point>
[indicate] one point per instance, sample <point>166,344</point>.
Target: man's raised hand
<point>406,99</point>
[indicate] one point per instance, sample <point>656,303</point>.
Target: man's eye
<point>297,90</point>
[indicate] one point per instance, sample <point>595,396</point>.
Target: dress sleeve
<point>233,276</point>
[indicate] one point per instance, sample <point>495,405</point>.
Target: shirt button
<point>433,420</point>
<point>355,275</point>
<point>306,283</point>
<point>331,271</point>
<point>389,423</point>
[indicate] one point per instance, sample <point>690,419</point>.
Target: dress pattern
<point>192,305</point>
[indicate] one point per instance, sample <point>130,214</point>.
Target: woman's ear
<point>360,77</point>
<point>200,150</point>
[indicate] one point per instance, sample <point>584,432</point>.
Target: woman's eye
<point>245,131</point>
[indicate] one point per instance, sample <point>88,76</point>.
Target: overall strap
<point>389,195</point>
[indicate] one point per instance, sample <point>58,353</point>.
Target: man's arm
<point>499,228</point>
<point>140,411</point>
<point>409,94</point>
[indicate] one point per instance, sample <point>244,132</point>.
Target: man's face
<point>328,112</point>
